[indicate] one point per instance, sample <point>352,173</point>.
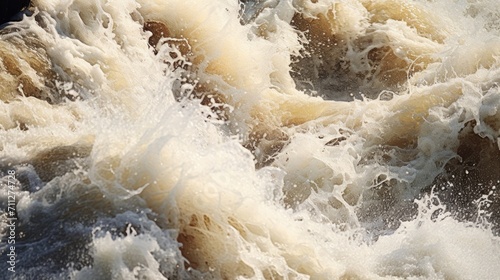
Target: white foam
<point>337,202</point>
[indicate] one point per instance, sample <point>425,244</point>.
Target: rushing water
<point>280,139</point>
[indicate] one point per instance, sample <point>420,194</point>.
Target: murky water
<point>306,139</point>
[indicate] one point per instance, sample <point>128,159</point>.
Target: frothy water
<point>306,139</point>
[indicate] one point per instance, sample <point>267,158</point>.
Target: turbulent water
<point>279,139</point>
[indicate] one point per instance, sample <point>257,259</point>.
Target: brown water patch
<point>26,69</point>
<point>392,42</point>
<point>59,160</point>
<point>473,174</point>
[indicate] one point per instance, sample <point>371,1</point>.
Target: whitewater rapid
<point>278,139</point>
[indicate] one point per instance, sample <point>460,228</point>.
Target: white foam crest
<point>216,35</point>
<point>151,254</point>
<point>102,46</point>
<point>433,247</point>
<point>307,216</point>
<point>124,258</point>
<point>102,52</point>
<point>331,173</point>
<point>205,185</point>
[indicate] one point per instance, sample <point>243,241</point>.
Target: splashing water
<point>278,139</point>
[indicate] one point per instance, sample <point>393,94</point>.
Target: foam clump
<point>254,140</point>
